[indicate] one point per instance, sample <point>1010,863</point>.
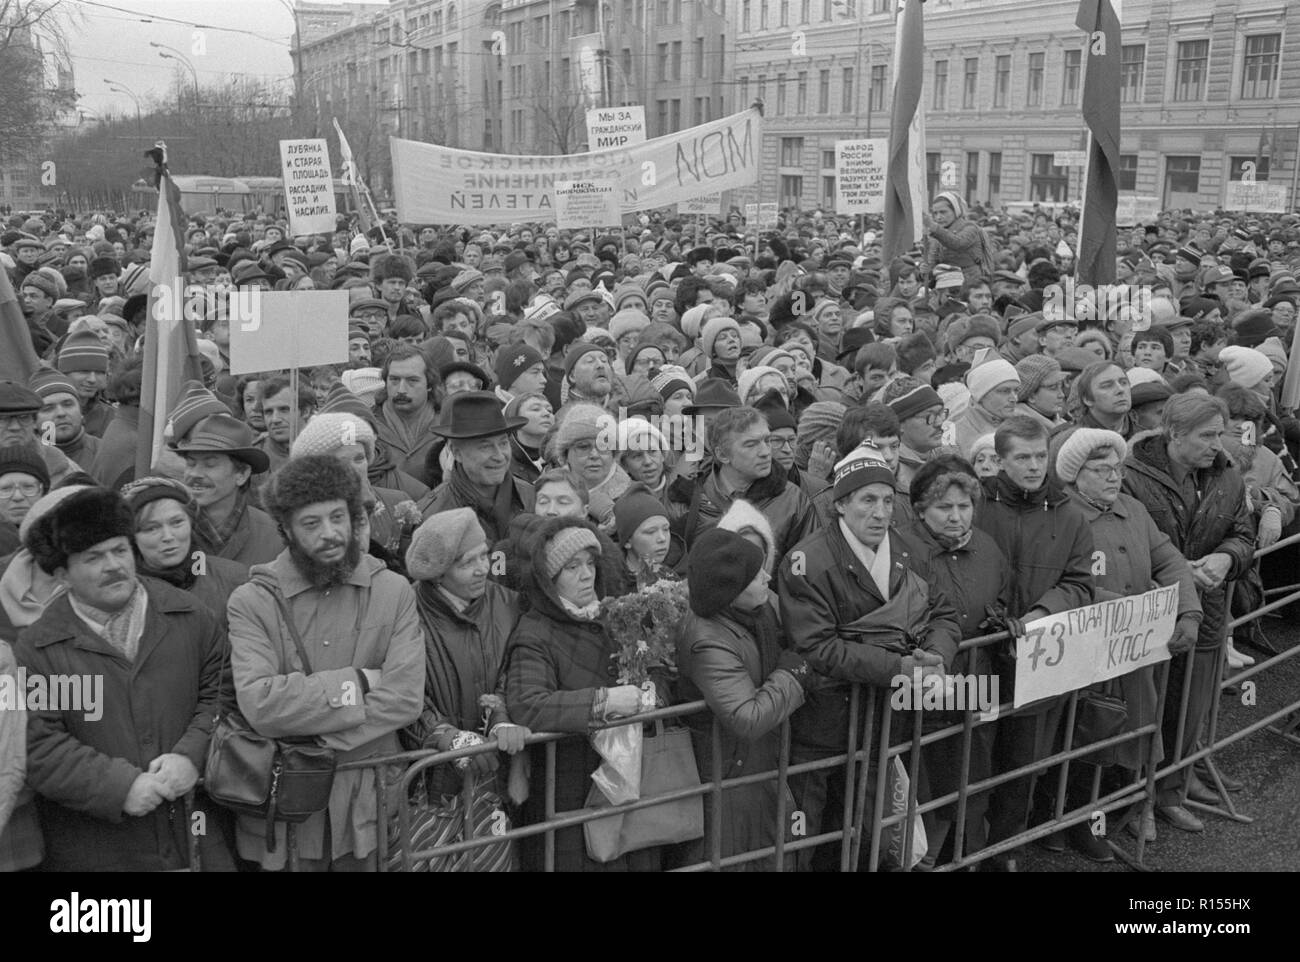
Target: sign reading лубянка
<point>1080,647</point>
<point>308,186</point>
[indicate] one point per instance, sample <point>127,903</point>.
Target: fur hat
<point>712,328</point>
<point>440,540</point>
<point>562,546</point>
<point>76,524</point>
<point>310,480</point>
<point>325,433</point>
<point>743,518</point>
<point>721,566</point>
<point>389,266</point>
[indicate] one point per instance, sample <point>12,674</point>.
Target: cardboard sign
<point>586,204</point>
<point>1137,209</point>
<point>610,127</point>
<point>860,167</point>
<point>308,186</point>
<point>291,329</point>
<point>762,216</point>
<point>708,204</point>
<point>1262,197</point>
<point>1083,646</point>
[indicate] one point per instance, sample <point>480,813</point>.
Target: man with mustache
<point>362,677</point>
<point>112,777</point>
<point>478,436</point>
<point>406,417</point>
<point>588,377</point>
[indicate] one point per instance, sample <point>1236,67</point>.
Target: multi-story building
<point>25,180</point>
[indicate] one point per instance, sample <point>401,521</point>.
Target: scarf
<point>217,536</point>
<point>409,436</point>
<point>495,512</point>
<point>25,590</point>
<point>952,544</point>
<point>122,629</point>
<point>876,562</point>
<point>180,576</point>
<point>585,612</point>
<point>762,627</point>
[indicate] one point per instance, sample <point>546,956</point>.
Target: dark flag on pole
<point>905,187</point>
<point>1100,19</point>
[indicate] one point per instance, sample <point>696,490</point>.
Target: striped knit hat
<point>47,382</point>
<point>196,402</point>
<point>83,351</point>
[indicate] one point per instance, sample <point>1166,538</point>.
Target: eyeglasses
<point>28,490</point>
<point>22,420</point>
<point>937,419</point>
<point>776,441</point>
<point>1105,471</point>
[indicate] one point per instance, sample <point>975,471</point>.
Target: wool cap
<point>512,361</point>
<point>1253,328</point>
<point>638,434</point>
<point>1076,449</point>
<point>143,491</point>
<point>693,320</point>
<point>48,382</point>
<point>582,422</point>
<point>440,540</point>
<point>566,543</point>
<point>916,401</point>
<point>1022,325</point>
<point>1273,350</point>
<point>670,380</point>
<point>17,398</point>
<point>83,351</point>
<point>745,383</point>
<point>364,382</point>
<point>462,281</point>
<point>633,509</point>
<point>627,321</point>
<point>1033,371</point>
<point>819,422</point>
<point>985,377</point>
<point>195,403</point>
<point>985,442</point>
<point>325,433</point>
<point>77,523</point>
<point>1149,392</point>
<point>1245,365</point>
<point>862,466</point>
<point>578,349</point>
<point>25,459</point>
<point>712,328</point>
<point>720,566</point>
<point>42,283</point>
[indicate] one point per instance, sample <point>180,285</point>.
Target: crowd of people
<point>409,549</point>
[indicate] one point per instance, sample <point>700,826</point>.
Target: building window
<point>1183,174</point>
<point>1070,80</point>
<point>828,160</point>
<point>780,95</point>
<point>1259,72</point>
<point>972,174</point>
<point>805,11</point>
<point>876,93</point>
<point>744,15</point>
<point>699,56</point>
<point>826,10</point>
<point>664,8</point>
<point>661,113</point>
<point>828,191</point>
<point>1193,56</point>
<point>1132,67</point>
<point>970,82</point>
<point>744,92</point>
<point>847,98</point>
<point>791,190</point>
<point>762,87</point>
<point>785,13</point>
<point>1128,171</point>
<point>677,60</point>
<point>1047,182</point>
<point>933,162</point>
<point>762,14</point>
<point>801,96</point>
<point>675,114</point>
<point>1238,165</point>
<point>1034,97</point>
<point>1001,80</point>
<point>995,176</point>
<point>663,61</point>
<point>941,85</point>
<point>824,92</point>
<point>791,151</point>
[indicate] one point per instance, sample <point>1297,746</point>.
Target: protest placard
<point>762,216</point>
<point>586,204</point>
<point>1137,209</point>
<point>609,127</point>
<point>291,329</point>
<point>860,167</point>
<point>1258,196</point>
<point>1083,646</point>
<point>308,186</point>
<point>706,204</point>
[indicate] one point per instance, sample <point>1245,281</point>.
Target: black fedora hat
<point>712,394</point>
<point>475,414</point>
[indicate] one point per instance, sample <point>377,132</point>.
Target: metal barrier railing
<point>875,722</point>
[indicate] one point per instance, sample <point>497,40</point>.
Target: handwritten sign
<point>1137,209</point>
<point>707,204</point>
<point>762,216</point>
<point>1263,197</point>
<point>860,175</point>
<point>291,329</point>
<point>615,127</point>
<point>1083,646</point>
<point>586,204</point>
<point>308,186</point>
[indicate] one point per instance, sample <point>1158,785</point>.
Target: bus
<point>201,194</point>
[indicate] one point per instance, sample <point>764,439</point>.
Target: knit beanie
<point>1245,365</point>
<point>83,351</point>
<point>712,328</point>
<point>144,491</point>
<point>638,434</point>
<point>1033,371</point>
<point>1079,447</point>
<point>25,459</point>
<point>440,540</point>
<point>578,349</point>
<point>43,283</point>
<point>750,376</point>
<point>778,416</point>
<point>582,422</point>
<point>512,361</point>
<point>364,382</point>
<point>628,291</point>
<point>633,509</point>
<point>325,433</point>
<point>862,466</point>
<point>819,422</point>
<point>670,380</point>
<point>693,320</point>
<point>195,403</point>
<point>985,377</point>
<point>48,382</point>
<point>627,321</point>
<point>920,398</point>
<point>985,442</point>
<point>720,566</point>
<point>1273,350</point>
<point>566,543</point>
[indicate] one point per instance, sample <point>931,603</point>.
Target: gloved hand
<point>482,765</point>
<point>1270,527</point>
<point>622,700</point>
<point>797,666</point>
<point>1184,636</point>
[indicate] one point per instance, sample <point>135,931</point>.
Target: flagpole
<point>1295,167</point>
<point>1083,209</point>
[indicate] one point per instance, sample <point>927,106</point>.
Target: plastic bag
<point>902,786</point>
<point>619,774</point>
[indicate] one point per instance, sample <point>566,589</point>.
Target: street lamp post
<point>297,57</point>
<point>171,53</point>
<point>121,88</point>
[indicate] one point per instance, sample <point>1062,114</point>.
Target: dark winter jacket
<point>784,504</point>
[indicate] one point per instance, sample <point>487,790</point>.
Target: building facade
<point>1209,94</point>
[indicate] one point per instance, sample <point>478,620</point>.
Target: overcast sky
<point>111,41</point>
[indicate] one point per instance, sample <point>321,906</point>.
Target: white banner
<point>1137,209</point>
<point>1259,196</point>
<point>442,185</point>
<point>308,186</point>
<point>610,127</point>
<point>761,216</point>
<point>1083,646</point>
<point>860,168</point>
<point>589,204</point>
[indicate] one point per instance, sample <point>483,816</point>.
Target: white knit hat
<point>364,382</point>
<point>989,375</point>
<point>1245,365</point>
<point>1080,446</point>
<point>325,433</point>
<point>749,377</point>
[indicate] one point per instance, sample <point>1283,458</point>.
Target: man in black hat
<point>478,435</point>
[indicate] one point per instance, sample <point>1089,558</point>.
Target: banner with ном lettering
<point>443,185</point>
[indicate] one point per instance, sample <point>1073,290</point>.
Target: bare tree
<point>32,32</point>
<point>561,121</point>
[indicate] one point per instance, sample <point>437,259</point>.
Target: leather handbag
<point>286,780</point>
<point>667,765</point>
<point>1099,715</point>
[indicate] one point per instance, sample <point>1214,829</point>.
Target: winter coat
<point>369,621</point>
<point>721,662</point>
<point>824,590</point>
<point>1138,557</point>
<point>445,498</point>
<point>973,424</point>
<point>114,463</point>
<point>81,450</point>
<point>256,539</point>
<point>1208,515</point>
<point>962,245</point>
<point>161,703</point>
<point>785,505</point>
<point>97,413</point>
<point>21,845</point>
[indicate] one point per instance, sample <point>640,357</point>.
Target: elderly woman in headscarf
<point>1132,556</point>
<point>954,239</point>
<point>586,442</point>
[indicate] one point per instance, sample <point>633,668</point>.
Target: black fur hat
<point>311,480</point>
<point>390,265</point>
<point>76,524</point>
